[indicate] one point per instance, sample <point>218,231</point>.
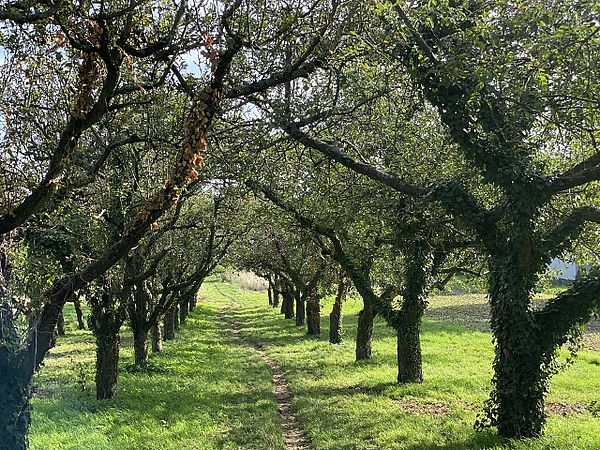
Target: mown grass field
<point>349,405</point>
<point>211,393</point>
<point>206,392</point>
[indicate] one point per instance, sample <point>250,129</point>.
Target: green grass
<point>347,405</point>
<point>207,392</point>
<point>210,392</point>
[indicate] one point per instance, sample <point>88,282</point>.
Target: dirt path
<point>293,435</point>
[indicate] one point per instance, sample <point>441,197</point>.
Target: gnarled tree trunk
<point>276,291</point>
<point>287,306</point>
<point>105,323</point>
<point>300,308</point>
<point>60,325</point>
<point>335,317</point>
<point>156,339</point>
<point>410,366</point>
<point>176,316</point>
<point>519,381</point>
<point>169,323</point>
<point>108,346</point>
<point>184,309</point>
<point>79,312</point>
<point>14,404</point>
<point>313,315</point>
<point>15,389</point>
<point>140,346</point>
<point>364,332</point>
<point>418,268</point>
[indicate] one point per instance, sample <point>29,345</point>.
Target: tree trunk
<point>184,310</point>
<point>176,316</point>
<point>300,308</point>
<point>276,291</point>
<point>521,375</point>
<point>313,315</point>
<point>79,312</point>
<point>156,339</point>
<point>169,322</point>
<point>418,269</point>
<point>335,317</point>
<point>270,292</point>
<point>60,324</point>
<point>107,364</point>
<point>105,323</point>
<point>15,416</point>
<point>140,346</point>
<point>287,306</point>
<point>410,367</point>
<point>364,333</point>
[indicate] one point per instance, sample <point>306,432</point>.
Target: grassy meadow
<point>209,392</point>
<point>205,391</point>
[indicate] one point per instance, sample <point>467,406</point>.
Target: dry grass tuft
<point>247,280</point>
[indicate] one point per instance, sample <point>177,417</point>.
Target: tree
<point>490,107</point>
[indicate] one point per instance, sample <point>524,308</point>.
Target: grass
<point>347,405</point>
<point>206,392</point>
<point>210,392</point>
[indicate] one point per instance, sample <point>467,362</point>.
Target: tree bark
<point>14,404</point>
<point>105,323</point>
<point>410,366</point>
<point>287,306</point>
<point>364,332</point>
<point>107,364</point>
<point>276,291</point>
<point>184,310</point>
<point>60,324</point>
<point>169,323</point>
<point>270,291</point>
<point>519,381</point>
<point>335,317</point>
<point>156,339</point>
<point>313,315</point>
<point>79,312</point>
<point>176,316</point>
<point>300,308</point>
<point>140,346</point>
<point>407,323</point>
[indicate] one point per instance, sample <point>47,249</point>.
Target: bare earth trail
<point>294,436</point>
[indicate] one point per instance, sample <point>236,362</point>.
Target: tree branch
<point>571,308</point>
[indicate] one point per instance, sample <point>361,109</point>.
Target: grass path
<point>294,437</point>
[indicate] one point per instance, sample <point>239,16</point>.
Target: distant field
<point>472,311</point>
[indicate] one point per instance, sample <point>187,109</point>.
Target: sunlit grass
<point>349,405</point>
<point>206,392</point>
<point>210,392</point>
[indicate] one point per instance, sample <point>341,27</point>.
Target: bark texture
<point>313,315</point>
<point>107,365</point>
<point>140,347</point>
<point>335,317</point>
<point>364,333</point>
<point>156,339</point>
